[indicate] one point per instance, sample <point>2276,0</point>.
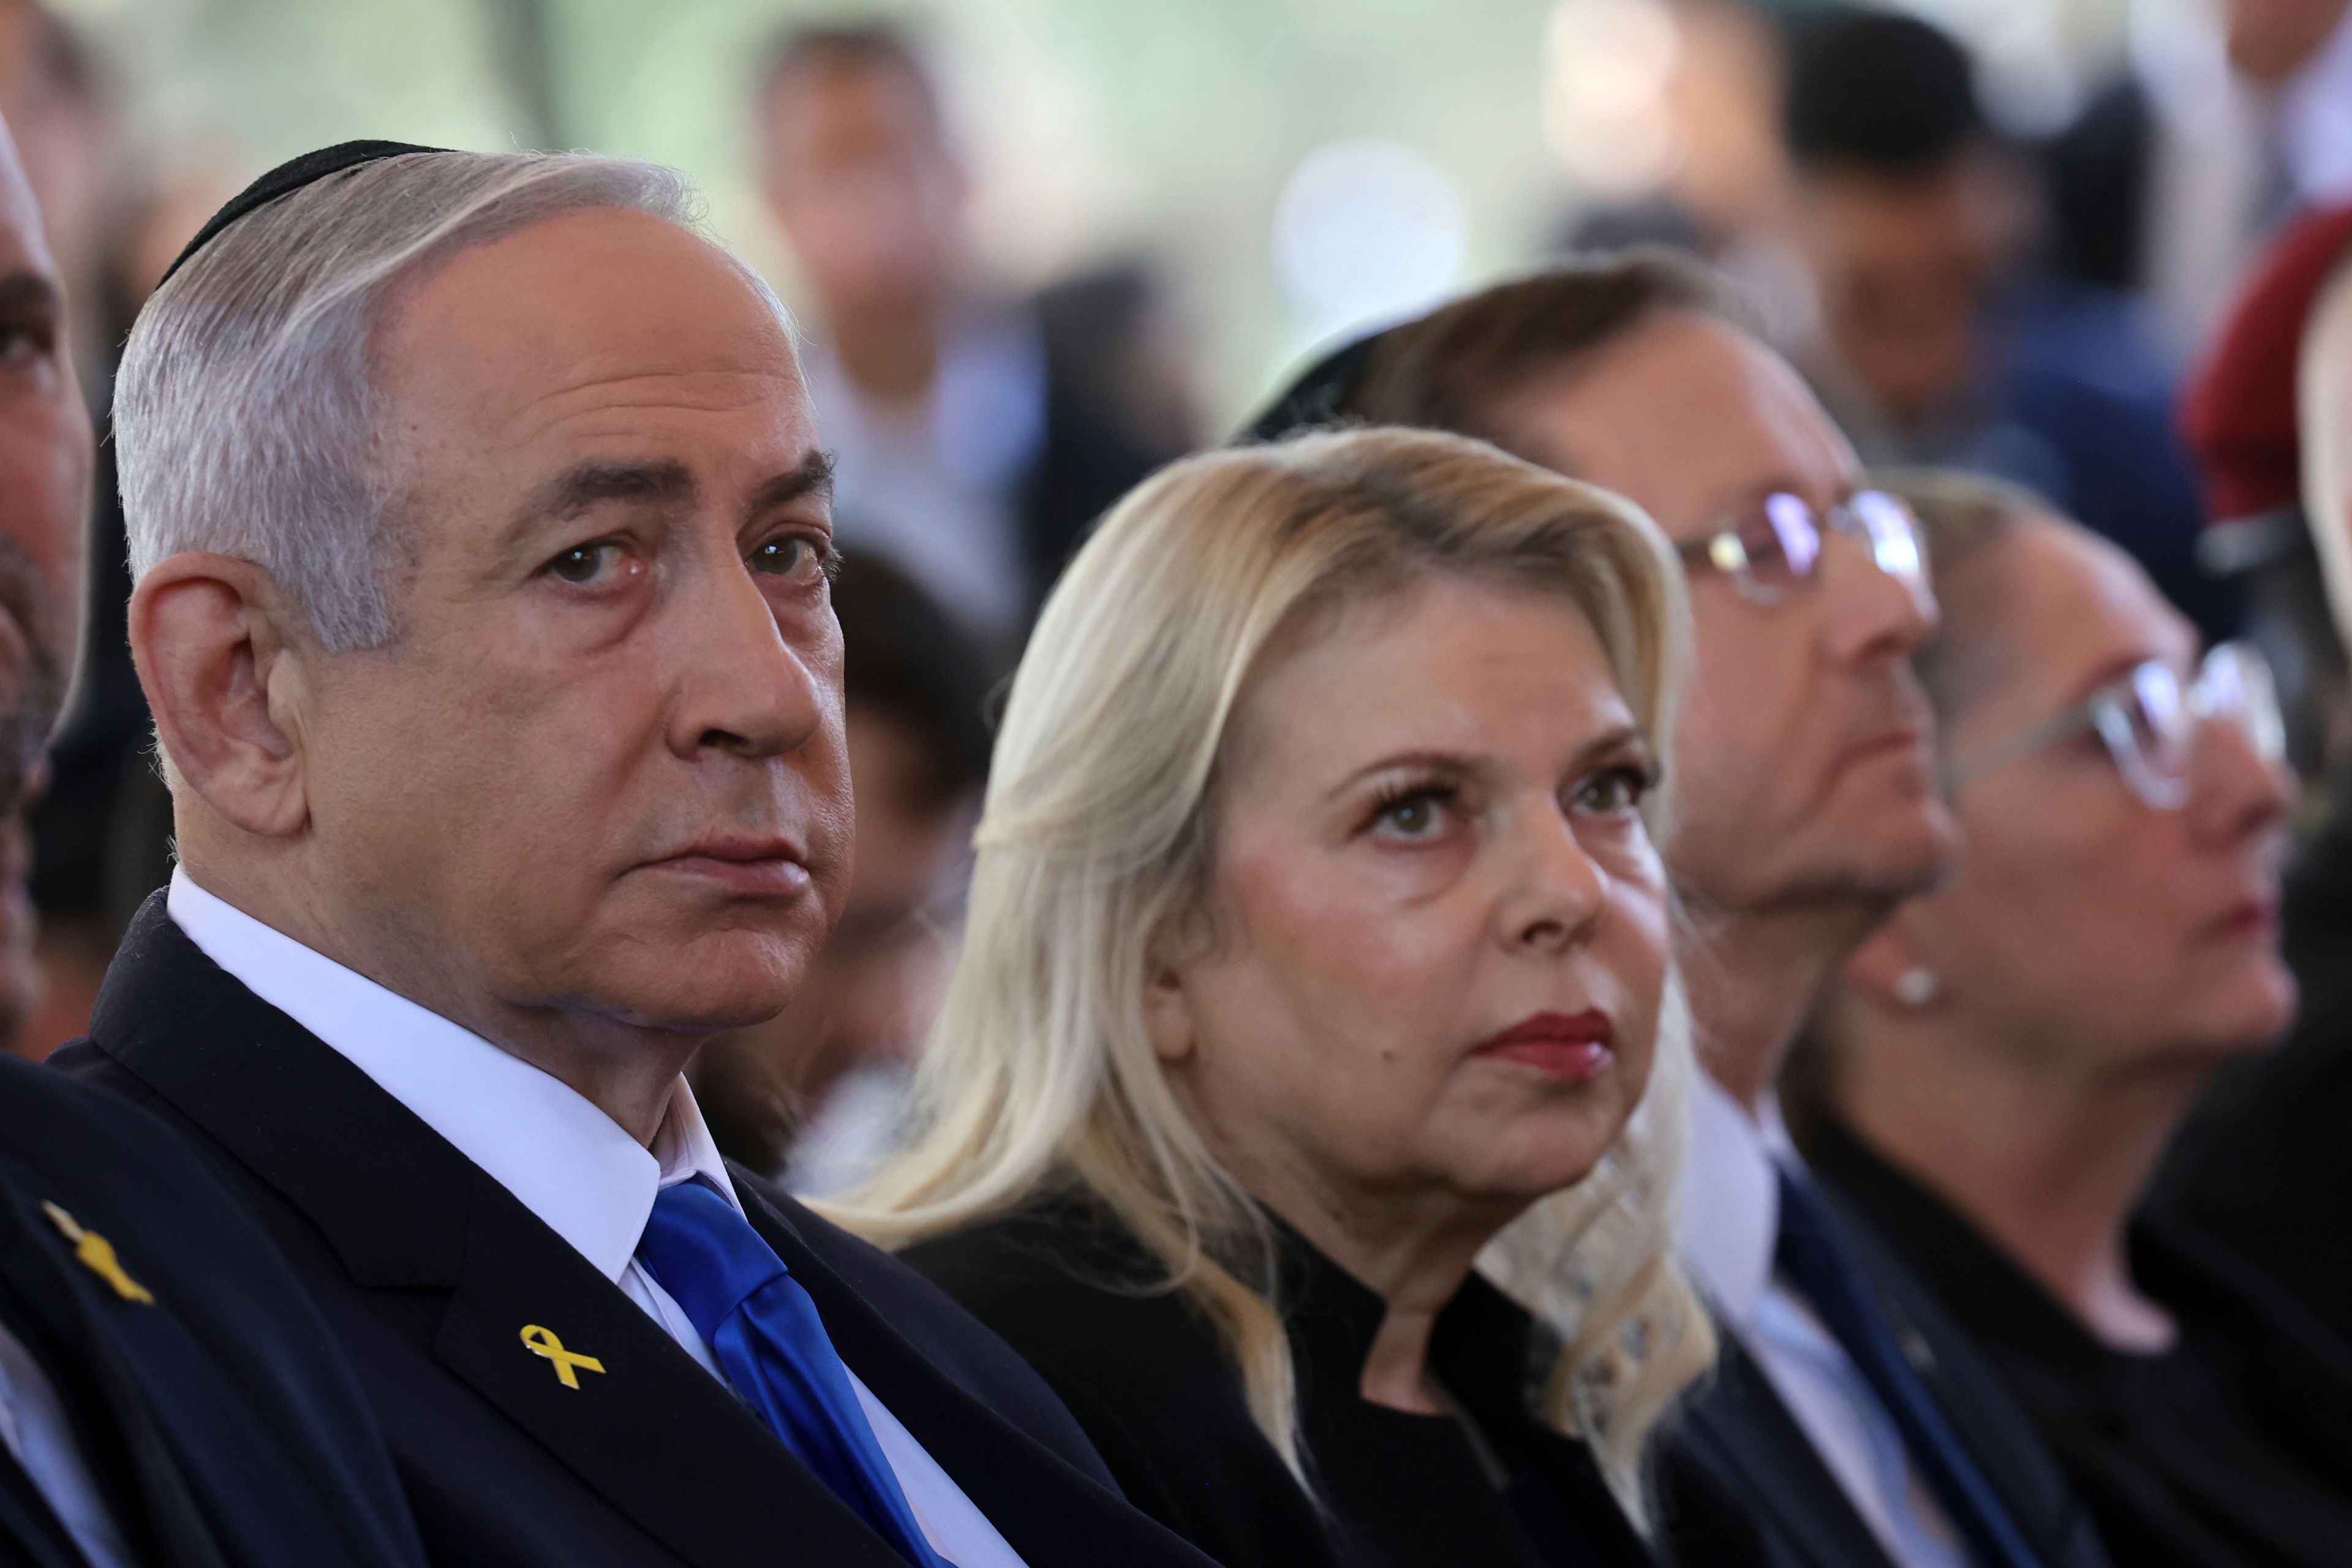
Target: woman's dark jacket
<point>1145,1375</point>
<point>2234,1447</point>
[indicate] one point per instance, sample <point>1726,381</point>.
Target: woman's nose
<point>2237,791</point>
<point>1558,891</point>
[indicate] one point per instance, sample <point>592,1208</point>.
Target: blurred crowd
<point>2028,309</point>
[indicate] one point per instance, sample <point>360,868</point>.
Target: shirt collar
<point>563,1159</point>
<point>1731,1198</point>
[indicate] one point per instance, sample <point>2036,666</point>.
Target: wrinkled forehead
<point>1690,418</point>
<point>2052,613</point>
<point>597,327</point>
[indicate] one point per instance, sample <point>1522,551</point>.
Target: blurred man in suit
<point>483,550</point>
<point>1852,1423</point>
<point>975,439</point>
<point>168,1395</point>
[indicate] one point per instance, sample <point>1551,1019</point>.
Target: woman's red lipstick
<point>1572,1047</point>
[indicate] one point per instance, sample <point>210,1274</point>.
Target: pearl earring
<point>1915,987</point>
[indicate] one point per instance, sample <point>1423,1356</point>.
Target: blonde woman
<point>1317,941</point>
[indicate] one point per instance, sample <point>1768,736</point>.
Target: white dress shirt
<point>1730,1228</point>
<point>935,484</point>
<point>564,1160</point>
<point>35,1429</point>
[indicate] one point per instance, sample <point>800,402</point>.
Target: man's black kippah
<point>287,178</point>
<point>1318,396</point>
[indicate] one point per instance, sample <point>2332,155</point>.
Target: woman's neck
<point>2048,1162</point>
<point>1414,1256</point>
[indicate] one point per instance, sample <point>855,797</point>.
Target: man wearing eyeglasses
<point>1849,1421</point>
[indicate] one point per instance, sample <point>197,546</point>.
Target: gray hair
<point>246,418</point>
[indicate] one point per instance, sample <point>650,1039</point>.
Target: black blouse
<point>1144,1375</point>
<point>2231,1448</point>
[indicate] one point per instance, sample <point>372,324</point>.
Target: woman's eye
<point>1618,790</point>
<point>1412,818</point>
<point>794,556</point>
<point>585,564</point>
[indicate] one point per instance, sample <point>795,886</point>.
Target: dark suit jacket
<point>2232,1448</point>
<point>428,1271</point>
<point>1066,1284</point>
<point>217,1419</point>
<point>1739,1434</point>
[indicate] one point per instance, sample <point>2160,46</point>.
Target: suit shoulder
<point>64,1110</point>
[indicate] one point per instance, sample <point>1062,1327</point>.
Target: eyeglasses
<point>2151,721</point>
<point>1773,549</point>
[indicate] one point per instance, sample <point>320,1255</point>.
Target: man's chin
<point>711,981</point>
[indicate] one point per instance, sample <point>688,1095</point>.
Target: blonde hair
<point>1097,840</point>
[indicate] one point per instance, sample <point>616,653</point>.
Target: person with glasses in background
<point>1804,811</point>
<point>2004,1061</point>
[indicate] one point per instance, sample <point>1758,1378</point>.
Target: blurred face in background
<point>45,466</point>
<point>1429,964</point>
<point>859,174</point>
<point>1803,749</point>
<point>869,997</point>
<point>2084,922</point>
<point>1902,266</point>
<point>2270,40</point>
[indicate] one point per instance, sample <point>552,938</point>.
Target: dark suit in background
<point>2231,1448</point>
<point>427,1270</point>
<point>1739,1435</point>
<point>216,1415</point>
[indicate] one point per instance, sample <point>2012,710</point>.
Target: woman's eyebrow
<point>1455,764</point>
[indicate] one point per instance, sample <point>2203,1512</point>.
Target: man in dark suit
<point>979,435</point>
<point>168,1395</point>
<point>1851,1422</point>
<point>482,547</point>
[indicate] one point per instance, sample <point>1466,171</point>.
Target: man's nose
<point>743,689</point>
<point>1868,614</point>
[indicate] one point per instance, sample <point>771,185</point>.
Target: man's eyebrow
<point>586,485</point>
<point>811,477</point>
<point>24,288</point>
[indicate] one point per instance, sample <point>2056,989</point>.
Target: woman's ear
<point>1890,970</point>
<point>213,638</point>
<point>1167,1012</point>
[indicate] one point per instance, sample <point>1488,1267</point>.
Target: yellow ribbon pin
<point>95,1253</point>
<point>543,1342</point>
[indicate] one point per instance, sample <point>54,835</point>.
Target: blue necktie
<point>1815,1254</point>
<point>764,1331</point>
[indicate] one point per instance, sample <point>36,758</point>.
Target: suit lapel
<point>647,1428</point>
<point>653,1434</point>
<point>1743,1432</point>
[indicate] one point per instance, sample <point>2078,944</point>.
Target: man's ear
<point>213,638</point>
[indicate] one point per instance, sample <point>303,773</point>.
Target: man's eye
<point>585,564</point>
<point>794,556</point>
